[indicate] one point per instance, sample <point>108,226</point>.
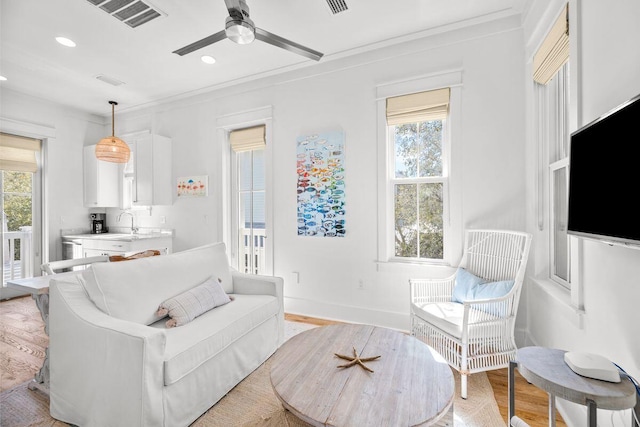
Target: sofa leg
<point>463,385</point>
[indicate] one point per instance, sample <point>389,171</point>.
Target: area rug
<point>252,403</point>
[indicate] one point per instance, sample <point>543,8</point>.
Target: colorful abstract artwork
<point>321,196</point>
<point>193,186</point>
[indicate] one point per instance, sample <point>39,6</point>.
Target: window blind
<point>418,107</point>
<point>18,153</point>
<point>554,51</point>
<point>247,139</point>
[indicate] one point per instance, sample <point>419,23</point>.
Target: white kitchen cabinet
<point>147,176</point>
<point>102,180</point>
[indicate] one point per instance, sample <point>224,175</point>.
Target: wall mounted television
<point>604,177</point>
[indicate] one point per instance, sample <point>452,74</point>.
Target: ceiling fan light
<point>240,31</point>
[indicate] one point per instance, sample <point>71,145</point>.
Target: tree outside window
<point>16,202</point>
<point>418,190</point>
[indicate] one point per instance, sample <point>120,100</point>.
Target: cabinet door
<point>143,172</point>
<point>102,181</point>
<point>147,176</point>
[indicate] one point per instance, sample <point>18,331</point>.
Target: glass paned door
<point>251,212</point>
<point>17,224</point>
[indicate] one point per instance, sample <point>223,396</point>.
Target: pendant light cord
<point>113,119</point>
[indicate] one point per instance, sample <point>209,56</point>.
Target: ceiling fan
<point>240,29</point>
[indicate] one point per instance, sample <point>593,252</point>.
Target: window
<point>248,170</point>
<point>418,185</point>
<point>551,76</point>
<point>558,165</point>
<point>415,223</point>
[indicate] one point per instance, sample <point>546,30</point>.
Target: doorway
<point>21,207</point>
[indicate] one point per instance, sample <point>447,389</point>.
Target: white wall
<point>340,94</point>
<point>72,129</point>
<point>605,67</point>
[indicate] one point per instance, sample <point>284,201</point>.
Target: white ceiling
<point>35,64</point>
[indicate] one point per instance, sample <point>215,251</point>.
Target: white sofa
<point>113,363</point>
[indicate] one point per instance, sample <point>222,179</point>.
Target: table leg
<point>552,410</point>
<point>512,392</point>
<point>592,413</point>
<point>41,380</point>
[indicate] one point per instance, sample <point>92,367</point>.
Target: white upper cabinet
<point>102,181</point>
<point>147,178</point>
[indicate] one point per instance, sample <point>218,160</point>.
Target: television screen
<point>604,177</point>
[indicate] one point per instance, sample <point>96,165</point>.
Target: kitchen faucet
<point>133,229</point>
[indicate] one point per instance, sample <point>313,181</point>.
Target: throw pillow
<point>469,287</point>
<point>185,307</point>
<point>464,285</point>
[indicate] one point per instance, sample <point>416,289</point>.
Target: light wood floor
<point>23,343</point>
<point>531,402</point>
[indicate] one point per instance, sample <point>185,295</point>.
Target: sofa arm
<point>257,284</point>
<point>102,368</point>
<point>254,284</point>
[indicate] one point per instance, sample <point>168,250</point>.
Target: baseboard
<point>347,313</point>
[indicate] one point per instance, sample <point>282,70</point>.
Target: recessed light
<point>208,59</point>
<point>3,78</point>
<point>66,42</point>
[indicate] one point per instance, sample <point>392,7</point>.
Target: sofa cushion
<point>185,307</point>
<point>193,344</point>
<point>133,290</point>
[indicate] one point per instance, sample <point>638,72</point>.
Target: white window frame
<point>227,186</point>
<point>555,112</point>
<point>452,223</point>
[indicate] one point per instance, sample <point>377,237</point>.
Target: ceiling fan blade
<point>278,41</point>
<point>220,35</point>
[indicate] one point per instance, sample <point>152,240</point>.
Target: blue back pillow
<point>469,287</point>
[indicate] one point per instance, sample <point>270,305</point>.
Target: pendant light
<point>113,149</point>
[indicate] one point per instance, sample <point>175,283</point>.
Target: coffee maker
<point>98,223</point>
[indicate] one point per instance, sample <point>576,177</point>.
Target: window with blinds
<point>249,208</point>
<point>416,129</point>
<point>551,76</point>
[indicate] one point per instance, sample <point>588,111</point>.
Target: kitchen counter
<point>118,242</point>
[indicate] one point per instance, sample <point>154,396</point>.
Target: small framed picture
<point>193,186</point>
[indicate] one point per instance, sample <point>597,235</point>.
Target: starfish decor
<point>356,360</point>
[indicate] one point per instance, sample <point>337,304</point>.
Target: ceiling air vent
<point>337,6</point>
<point>132,12</point>
<point>109,80</point>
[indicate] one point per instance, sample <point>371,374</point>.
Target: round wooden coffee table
<point>411,384</point>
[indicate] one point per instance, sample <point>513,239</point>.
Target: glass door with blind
<point>20,191</point>
<point>251,249</point>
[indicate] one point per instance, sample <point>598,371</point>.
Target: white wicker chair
<point>474,336</point>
